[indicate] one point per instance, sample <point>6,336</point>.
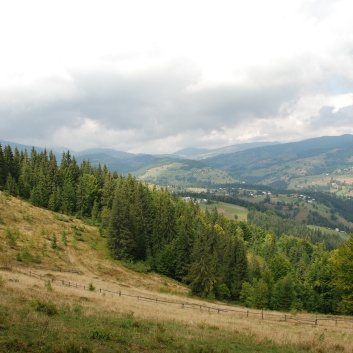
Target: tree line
<point>218,258</point>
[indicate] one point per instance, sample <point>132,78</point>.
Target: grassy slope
<point>228,210</point>
<point>38,315</point>
<point>183,173</point>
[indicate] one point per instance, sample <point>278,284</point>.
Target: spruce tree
<point>121,240</point>
<point>239,265</point>
<point>3,172</point>
<point>25,177</point>
<point>202,275</point>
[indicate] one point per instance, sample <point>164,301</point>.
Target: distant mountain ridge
<point>270,163</point>
<point>288,160</point>
<point>204,153</point>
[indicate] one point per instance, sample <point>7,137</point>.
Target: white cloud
<point>152,75</point>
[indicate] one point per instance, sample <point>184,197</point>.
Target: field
<point>63,293</point>
<point>229,210</point>
<point>179,173</point>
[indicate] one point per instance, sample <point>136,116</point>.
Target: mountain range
<point>295,164</point>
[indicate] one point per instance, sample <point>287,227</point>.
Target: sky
<point>157,76</point>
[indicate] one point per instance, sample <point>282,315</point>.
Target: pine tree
<point>239,265</point>
<point>184,243</point>
<point>68,197</point>
<point>16,167</point>
<point>3,171</point>
<point>202,275</point>
<point>25,177</point>
<point>39,194</point>
<point>11,186</point>
<point>121,241</point>
<point>143,214</point>
<point>164,229</point>
<point>8,159</point>
<point>86,194</point>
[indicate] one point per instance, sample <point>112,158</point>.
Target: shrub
<point>99,335</point>
<point>48,308</point>
<point>10,237</point>
<point>223,292</point>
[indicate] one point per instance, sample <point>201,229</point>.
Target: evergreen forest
<point>154,230</point>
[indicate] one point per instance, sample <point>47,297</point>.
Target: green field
<point>228,210</point>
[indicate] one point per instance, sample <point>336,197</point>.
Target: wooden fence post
<point>262,314</point>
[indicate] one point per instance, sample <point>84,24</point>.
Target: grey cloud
<point>156,104</point>
<point>327,116</point>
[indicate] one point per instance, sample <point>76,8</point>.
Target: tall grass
<point>46,324</point>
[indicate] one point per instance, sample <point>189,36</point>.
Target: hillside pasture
<point>65,298</point>
<point>228,210</point>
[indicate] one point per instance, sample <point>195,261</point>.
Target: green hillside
<point>182,172</point>
<point>313,163</point>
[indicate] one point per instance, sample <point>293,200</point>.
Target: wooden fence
<point>263,315</point>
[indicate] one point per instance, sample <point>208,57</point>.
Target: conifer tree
<point>202,275</point>
<point>164,229</point>
<point>3,172</point>
<point>9,161</point>
<point>239,265</point>
<point>68,197</point>
<point>11,185</point>
<point>121,241</point>
<point>86,194</point>
<point>16,168</point>
<point>184,243</point>
<point>25,177</point>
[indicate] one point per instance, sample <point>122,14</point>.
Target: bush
<point>48,308</point>
<point>223,292</point>
<point>102,336</point>
<point>139,266</point>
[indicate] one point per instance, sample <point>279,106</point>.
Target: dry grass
<point>90,258</point>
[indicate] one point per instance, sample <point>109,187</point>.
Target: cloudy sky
<point>159,75</point>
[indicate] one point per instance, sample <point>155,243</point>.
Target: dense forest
<point>218,258</point>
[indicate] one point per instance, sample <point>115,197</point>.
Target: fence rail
<point>186,305</point>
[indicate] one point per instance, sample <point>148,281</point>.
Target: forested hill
<point>287,161</point>
<point>217,257</point>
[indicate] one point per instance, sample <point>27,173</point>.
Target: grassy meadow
<point>228,210</point>
<point>40,314</point>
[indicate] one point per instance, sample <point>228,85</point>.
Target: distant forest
<point>149,229</point>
